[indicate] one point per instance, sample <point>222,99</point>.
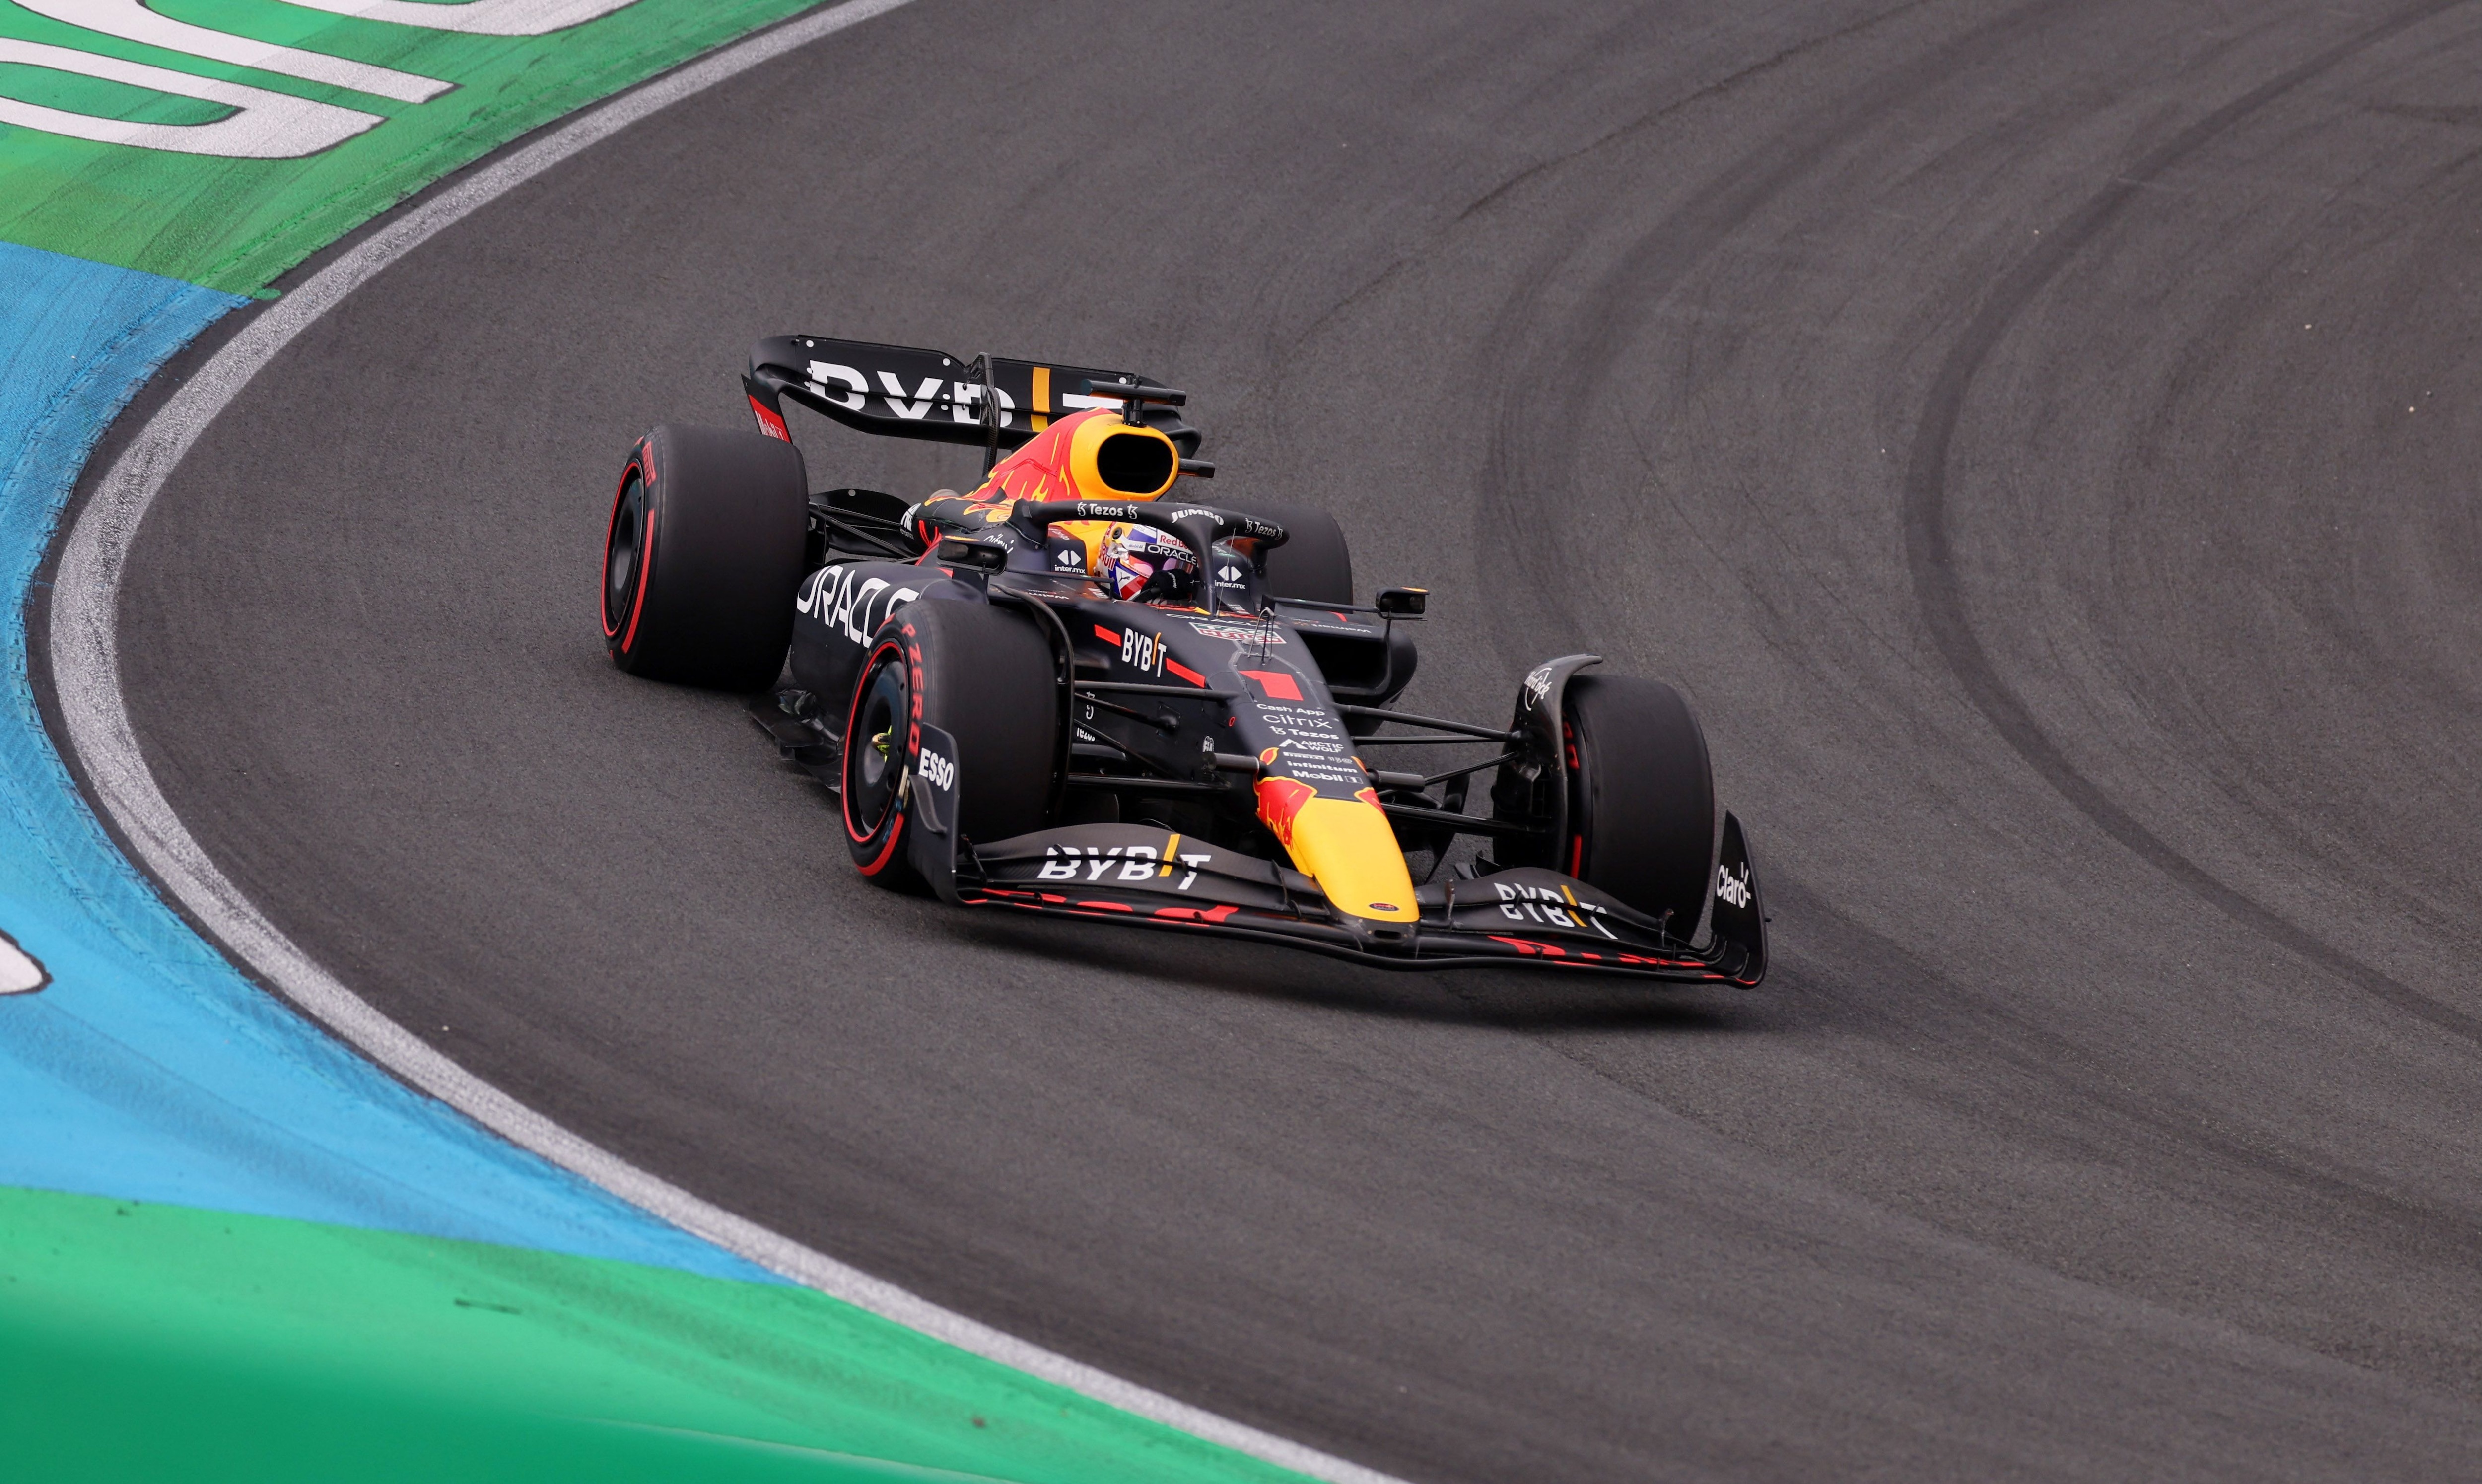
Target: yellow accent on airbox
<point>1136,449</point>
<point>1347,846</point>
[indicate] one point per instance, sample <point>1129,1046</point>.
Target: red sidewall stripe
<point>852,718</point>
<point>620,497</point>
<point>646,567</point>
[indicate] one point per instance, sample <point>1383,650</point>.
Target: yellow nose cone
<point>1347,846</point>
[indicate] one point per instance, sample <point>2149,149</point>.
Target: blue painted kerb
<point>149,1069</point>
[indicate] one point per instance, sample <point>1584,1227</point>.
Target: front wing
<point>1149,877</point>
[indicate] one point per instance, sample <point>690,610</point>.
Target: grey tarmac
<point>2039,437</point>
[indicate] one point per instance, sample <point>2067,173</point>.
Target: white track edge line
<point>86,678</point>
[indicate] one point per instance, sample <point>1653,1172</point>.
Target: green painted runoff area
<point>161,1341</point>
<point>237,223</point>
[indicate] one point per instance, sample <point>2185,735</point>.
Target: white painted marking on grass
<point>263,125</point>
<point>19,973</point>
<point>133,22</point>
<point>86,670</point>
<point>475,18</point>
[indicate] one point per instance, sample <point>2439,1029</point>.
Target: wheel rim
<point>622,568</point>
<point>874,745</point>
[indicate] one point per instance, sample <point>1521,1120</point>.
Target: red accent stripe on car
<point>1185,673</point>
<point>1107,636</point>
<point>1529,948</point>
<point>768,422</point>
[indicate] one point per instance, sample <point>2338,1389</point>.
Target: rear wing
<point>991,402</point>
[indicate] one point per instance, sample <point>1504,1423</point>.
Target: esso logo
<point>938,771</point>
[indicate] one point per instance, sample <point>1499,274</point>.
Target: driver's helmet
<point>1140,563</point>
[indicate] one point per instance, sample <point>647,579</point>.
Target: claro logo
<point>1732,888</point>
<point>264,124</point>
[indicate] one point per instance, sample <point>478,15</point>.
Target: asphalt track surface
<point>2039,436</point>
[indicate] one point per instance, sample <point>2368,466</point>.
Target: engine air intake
<point>1139,464</point>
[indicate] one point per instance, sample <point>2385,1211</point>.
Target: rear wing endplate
<point>897,391</point>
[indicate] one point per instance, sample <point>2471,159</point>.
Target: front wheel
<point>1641,797</point>
<point>982,674</point>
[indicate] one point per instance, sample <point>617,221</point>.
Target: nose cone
<point>1346,845</point>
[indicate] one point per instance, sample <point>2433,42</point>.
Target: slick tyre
<point>1641,797</point>
<point>1313,562</point>
<point>984,676</point>
<point>701,557</point>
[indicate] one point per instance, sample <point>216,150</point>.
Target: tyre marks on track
<point>1940,595</point>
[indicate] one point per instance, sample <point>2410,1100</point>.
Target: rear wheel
<point>702,555</point>
<point>1641,797</point>
<point>984,676</point>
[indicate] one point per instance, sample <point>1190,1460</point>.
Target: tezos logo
<point>1731,889</point>
<point>938,771</point>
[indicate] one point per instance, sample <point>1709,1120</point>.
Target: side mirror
<point>1403,602</point>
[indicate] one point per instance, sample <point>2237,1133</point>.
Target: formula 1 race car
<point>1069,693</point>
